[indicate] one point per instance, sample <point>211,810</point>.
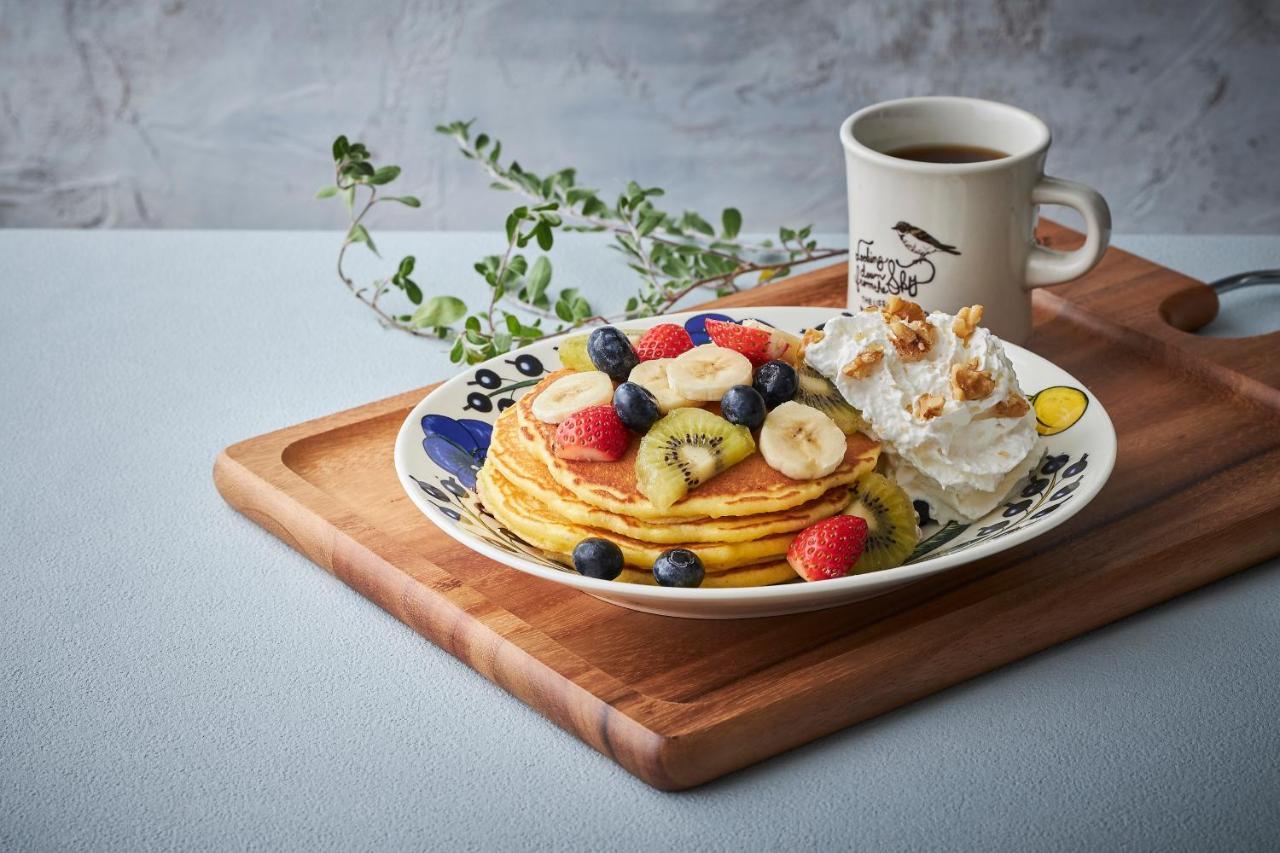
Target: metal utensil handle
<point>1245,279</point>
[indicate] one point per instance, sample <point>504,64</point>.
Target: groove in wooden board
<point>678,702</point>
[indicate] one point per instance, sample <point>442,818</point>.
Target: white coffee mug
<point>948,235</point>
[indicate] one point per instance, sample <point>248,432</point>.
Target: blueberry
<point>678,567</point>
<point>636,406</point>
<point>777,383</point>
<point>611,352</point>
<point>597,558</point>
<point>743,405</point>
<point>922,512</point>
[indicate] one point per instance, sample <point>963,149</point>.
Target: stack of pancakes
<point>739,522</point>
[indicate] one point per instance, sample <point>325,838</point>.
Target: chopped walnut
<point>928,406</point>
<point>903,310</point>
<point>811,336</point>
<point>1014,406</point>
<point>863,363</point>
<point>967,320</point>
<point>911,339</point>
<point>970,383</point>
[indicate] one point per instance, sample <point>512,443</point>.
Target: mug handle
<point>1046,266</point>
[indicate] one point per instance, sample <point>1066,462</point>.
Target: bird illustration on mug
<point>920,242</point>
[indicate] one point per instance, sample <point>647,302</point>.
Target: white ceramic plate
<point>442,445</point>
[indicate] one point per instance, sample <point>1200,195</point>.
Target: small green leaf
<point>339,148</point>
<point>406,200</point>
<point>628,242</point>
<point>577,194</point>
<point>648,222</point>
<point>406,265</point>
<point>359,234</point>
<point>414,292</point>
<point>697,223</point>
<point>513,222</point>
<point>385,175</point>
<point>731,219</point>
<point>538,278</point>
<point>543,233</point>
<point>326,192</point>
<point>439,311</point>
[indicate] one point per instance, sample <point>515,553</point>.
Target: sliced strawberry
<point>829,548</point>
<point>782,345</point>
<point>753,343</point>
<point>663,341</point>
<point>593,434</point>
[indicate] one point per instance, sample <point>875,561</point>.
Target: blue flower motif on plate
<point>457,445</point>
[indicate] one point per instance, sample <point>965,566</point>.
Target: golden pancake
<point>764,574</point>
<point>535,523</point>
<point>512,455</point>
<point>749,488</point>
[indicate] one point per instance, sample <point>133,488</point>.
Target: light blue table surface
<point>173,677</point>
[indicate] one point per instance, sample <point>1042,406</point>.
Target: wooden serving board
<point>1195,496</point>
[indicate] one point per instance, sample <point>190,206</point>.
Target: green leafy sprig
<point>673,254</point>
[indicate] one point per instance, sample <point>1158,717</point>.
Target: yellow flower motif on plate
<point>1058,408</point>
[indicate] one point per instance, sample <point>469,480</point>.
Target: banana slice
<point>801,442</point>
<point>706,372</point>
<point>652,375</point>
<point>572,393</point>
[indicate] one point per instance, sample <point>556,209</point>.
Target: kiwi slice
<point>573,350</point>
<point>573,353</point>
<point>684,449</point>
<point>817,391</point>
<point>891,522</point>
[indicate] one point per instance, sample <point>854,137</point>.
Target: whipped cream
<point>961,462</point>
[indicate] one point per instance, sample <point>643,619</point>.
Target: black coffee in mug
<point>947,154</point>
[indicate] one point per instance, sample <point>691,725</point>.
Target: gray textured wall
<point>184,113</point>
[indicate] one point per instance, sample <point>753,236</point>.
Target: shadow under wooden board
<point>1195,496</point>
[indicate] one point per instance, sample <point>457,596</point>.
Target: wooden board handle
<point>1156,310</point>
